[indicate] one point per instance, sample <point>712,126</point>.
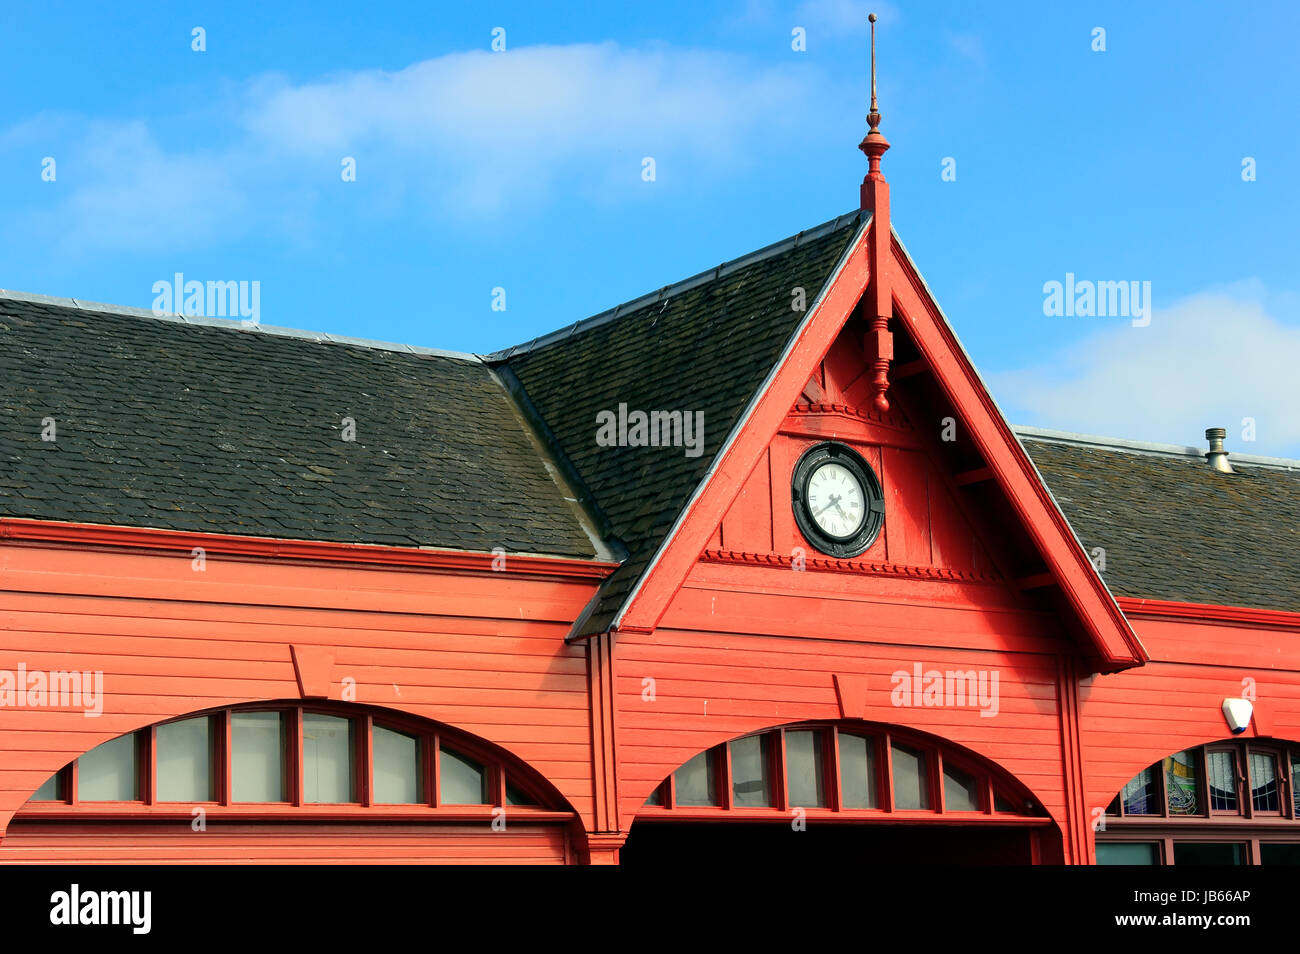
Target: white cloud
<point>1209,360</point>
<point>499,126</point>
<point>475,134</point>
<point>131,192</point>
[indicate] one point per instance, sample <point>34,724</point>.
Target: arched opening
<point>292,781</point>
<point>1232,802</point>
<point>812,791</point>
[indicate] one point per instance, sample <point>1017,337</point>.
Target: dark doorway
<point>668,843</point>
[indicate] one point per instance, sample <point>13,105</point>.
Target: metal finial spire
<point>878,343</point>
<point>875,144</point>
<point>873,118</point>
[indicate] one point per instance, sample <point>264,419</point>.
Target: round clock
<point>837,500</point>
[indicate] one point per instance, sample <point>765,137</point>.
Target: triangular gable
<point>1003,461</point>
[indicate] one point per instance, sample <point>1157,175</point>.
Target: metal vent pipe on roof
<point>1216,455</point>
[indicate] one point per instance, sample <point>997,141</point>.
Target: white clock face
<point>835,500</point>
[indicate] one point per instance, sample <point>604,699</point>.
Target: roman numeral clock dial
<point>835,500</point>
<point>838,504</point>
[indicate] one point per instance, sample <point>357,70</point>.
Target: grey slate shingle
<point>189,427</point>
<point>1175,529</point>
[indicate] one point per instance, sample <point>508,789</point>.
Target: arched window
<point>1231,802</point>
<point>267,759</point>
<point>851,771</point>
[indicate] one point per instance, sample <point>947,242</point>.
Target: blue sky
<point>522,170</point>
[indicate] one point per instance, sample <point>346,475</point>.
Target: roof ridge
<point>234,324</point>
<point>1147,448</point>
<point>676,288</point>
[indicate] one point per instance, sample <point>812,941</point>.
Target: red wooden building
<point>751,564</point>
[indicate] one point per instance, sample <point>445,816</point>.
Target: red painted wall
<point>1133,719</point>
<point>480,651</point>
<point>751,642</point>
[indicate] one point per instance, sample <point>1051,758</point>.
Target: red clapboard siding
<point>859,608</point>
<point>297,844</point>
<point>907,506</point>
<point>481,652</point>
<point>1133,719</point>
<point>711,687</point>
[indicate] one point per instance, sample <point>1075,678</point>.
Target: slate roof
<point>706,345</point>
<point>1175,529</point>
<point>182,426</point>
<point>200,425</point>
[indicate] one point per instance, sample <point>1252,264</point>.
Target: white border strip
<point>233,324</point>
<point>1146,448</point>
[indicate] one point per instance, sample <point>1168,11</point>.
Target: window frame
<point>935,754</point>
<point>1285,759</point>
<point>826,739</point>
<point>1246,825</point>
<point>430,743</point>
<point>1281,777</point>
<point>1239,767</point>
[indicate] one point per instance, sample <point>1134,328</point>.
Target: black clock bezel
<point>873,520</point>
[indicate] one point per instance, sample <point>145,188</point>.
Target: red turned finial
<point>875,144</point>
<point>878,305</point>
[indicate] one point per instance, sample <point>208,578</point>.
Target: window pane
<point>52,790</point>
<point>1295,782</point>
<point>515,797</point>
<point>1263,782</point>
<point>1182,780</point>
<point>397,767</point>
<point>257,756</point>
<point>1221,767</point>
<point>107,773</point>
<point>1138,853</point>
<point>803,766</point>
<point>327,774</point>
<point>857,771</point>
<point>750,773</point>
<point>656,796</point>
<point>696,782</point>
<point>1141,796</point>
<point>463,781</point>
<point>911,781</point>
<point>1207,853</point>
<point>185,760</point>
<point>960,791</point>
<point>1003,804</point>
<point>1280,854</point>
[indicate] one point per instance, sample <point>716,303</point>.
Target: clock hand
<point>834,502</point>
